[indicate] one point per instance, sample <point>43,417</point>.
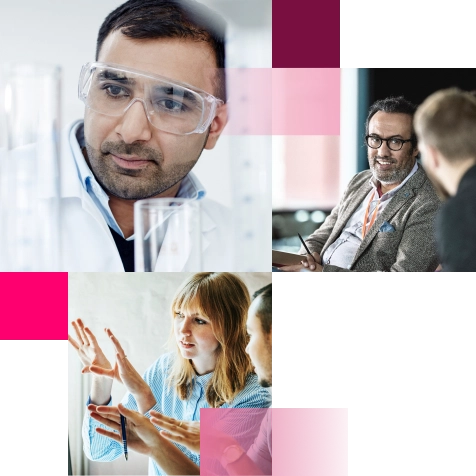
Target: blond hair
<point>447,121</point>
<point>224,299</point>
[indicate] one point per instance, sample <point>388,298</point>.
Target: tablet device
<point>283,258</point>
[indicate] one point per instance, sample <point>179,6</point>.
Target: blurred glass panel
<point>29,167</point>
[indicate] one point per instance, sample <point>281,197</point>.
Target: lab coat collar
<point>72,185</point>
<point>70,179</point>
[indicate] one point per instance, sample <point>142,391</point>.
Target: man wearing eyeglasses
<point>155,98</point>
<point>385,220</point>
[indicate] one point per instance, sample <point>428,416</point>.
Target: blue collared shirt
<point>190,186</point>
<point>100,448</point>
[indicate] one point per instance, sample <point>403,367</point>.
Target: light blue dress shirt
<point>100,448</point>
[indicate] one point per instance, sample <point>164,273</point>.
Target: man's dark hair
<point>184,19</point>
<point>265,307</point>
<point>393,105</point>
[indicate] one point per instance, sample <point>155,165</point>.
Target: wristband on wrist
<point>231,454</point>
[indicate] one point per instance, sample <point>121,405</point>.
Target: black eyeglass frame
<point>386,140</point>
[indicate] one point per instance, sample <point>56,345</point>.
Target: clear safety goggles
<point>170,106</point>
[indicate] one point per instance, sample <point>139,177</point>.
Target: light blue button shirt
<point>190,186</point>
<point>100,448</point>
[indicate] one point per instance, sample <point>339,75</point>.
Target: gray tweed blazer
<point>407,245</point>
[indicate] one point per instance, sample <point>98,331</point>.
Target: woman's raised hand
<point>186,433</point>
<point>125,373</point>
<point>88,348</point>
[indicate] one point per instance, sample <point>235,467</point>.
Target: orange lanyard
<point>366,227</point>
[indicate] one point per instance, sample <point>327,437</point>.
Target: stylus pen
<point>306,248</point>
<point>124,437</point>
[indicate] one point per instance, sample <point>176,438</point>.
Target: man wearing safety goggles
<point>155,98</point>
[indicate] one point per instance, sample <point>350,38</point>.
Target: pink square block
<point>283,101</point>
<point>249,101</point>
<point>34,306</point>
<point>306,101</point>
<point>310,441</point>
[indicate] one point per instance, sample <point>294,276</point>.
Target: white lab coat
<point>87,243</point>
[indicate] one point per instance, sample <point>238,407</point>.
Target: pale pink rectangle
<point>283,101</point>
<point>312,171</point>
<point>310,441</point>
<point>249,101</point>
<point>306,101</point>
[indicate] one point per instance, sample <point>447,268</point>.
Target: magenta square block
<point>34,306</point>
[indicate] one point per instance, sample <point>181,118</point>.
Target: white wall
<point>56,32</point>
<point>136,307</point>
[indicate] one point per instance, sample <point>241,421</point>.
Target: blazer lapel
<point>350,206</point>
<point>407,192</point>
<point>390,210</point>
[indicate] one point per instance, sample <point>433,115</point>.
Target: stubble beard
<point>395,175</point>
<point>134,184</point>
<point>265,383</point>
<point>266,380</point>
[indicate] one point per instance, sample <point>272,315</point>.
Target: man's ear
<point>434,157</point>
<point>416,151</point>
<point>217,126</point>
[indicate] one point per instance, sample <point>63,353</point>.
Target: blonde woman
<point>209,367</point>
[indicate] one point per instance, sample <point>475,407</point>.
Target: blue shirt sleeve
<point>97,447</point>
<point>100,448</point>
